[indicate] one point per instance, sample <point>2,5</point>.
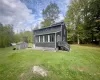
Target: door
<point>58,38</point>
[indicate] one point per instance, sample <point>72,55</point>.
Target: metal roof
<point>53,25</point>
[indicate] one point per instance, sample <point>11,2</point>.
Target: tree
<point>6,35</point>
<point>92,17</point>
<point>50,14</point>
<point>74,19</point>
<point>83,19</point>
<point>26,36</point>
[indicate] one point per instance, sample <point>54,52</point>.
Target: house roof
<point>53,25</point>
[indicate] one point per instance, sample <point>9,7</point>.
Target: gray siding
<point>48,44</point>
<point>64,33</point>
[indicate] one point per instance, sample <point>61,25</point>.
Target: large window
<point>41,38</point>
<point>46,38</point>
<point>37,39</point>
<point>52,37</point>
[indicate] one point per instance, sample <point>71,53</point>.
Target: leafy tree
<point>6,35</point>
<point>91,19</point>
<point>26,36</point>
<point>50,14</point>
<point>83,19</point>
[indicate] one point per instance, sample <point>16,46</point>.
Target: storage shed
<point>21,45</point>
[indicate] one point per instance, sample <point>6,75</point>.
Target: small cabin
<point>54,37</point>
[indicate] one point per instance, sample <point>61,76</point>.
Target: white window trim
<point>48,38</point>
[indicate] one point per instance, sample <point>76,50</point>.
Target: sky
<point>26,14</point>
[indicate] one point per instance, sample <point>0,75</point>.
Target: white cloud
<point>37,23</point>
<point>61,17</point>
<point>15,12</point>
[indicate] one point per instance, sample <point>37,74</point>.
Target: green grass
<point>81,63</point>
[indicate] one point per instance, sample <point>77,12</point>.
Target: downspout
<point>34,41</point>
<point>61,34</point>
<point>55,41</point>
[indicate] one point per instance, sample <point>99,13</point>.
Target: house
<point>54,37</point>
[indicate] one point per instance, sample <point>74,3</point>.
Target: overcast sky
<point>25,14</point>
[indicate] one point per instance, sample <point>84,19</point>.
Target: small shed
<point>21,45</point>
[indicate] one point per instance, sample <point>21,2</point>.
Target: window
<point>41,38</point>
<point>37,39</point>
<point>52,37</point>
<point>46,38</point>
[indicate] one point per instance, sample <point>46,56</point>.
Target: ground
<point>81,63</point>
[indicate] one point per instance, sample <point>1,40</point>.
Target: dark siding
<point>51,44</point>
<point>64,33</point>
<point>59,36</point>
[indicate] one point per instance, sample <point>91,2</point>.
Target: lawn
<point>81,63</point>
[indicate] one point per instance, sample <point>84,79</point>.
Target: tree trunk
<point>78,40</point>
<point>99,41</point>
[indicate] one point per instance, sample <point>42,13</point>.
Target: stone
<point>39,70</point>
